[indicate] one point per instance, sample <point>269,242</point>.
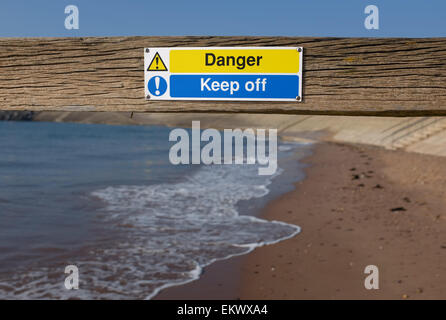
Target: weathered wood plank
<point>349,76</point>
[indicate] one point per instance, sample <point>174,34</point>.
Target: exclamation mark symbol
<point>157,82</point>
<point>156,61</point>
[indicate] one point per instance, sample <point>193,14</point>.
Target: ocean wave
<point>167,234</point>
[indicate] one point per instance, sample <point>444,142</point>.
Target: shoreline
<point>369,216</point>
<point>221,279</point>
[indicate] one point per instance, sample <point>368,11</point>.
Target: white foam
<point>177,230</point>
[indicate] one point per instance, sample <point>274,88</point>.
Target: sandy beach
<point>358,206</point>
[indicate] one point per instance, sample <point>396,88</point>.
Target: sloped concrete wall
<point>425,135</point>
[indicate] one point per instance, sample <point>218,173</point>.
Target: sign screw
<point>147,50</point>
<point>148,97</point>
<point>299,49</point>
<point>298,98</point>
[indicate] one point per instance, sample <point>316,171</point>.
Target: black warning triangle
<point>157,64</point>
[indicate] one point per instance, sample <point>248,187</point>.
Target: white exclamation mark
<point>157,85</point>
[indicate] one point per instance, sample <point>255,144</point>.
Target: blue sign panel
<point>233,86</point>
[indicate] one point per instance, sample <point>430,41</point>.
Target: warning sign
<point>224,73</point>
<point>157,64</point>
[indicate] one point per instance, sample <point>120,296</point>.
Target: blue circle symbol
<point>157,86</point>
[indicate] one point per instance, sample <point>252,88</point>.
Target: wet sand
<point>358,206</point>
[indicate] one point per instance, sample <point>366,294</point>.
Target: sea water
<point>107,200</point>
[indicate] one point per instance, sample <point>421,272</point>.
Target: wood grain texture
<point>347,76</point>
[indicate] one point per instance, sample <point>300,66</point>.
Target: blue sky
<point>398,18</point>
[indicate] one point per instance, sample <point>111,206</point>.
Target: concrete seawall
<point>425,135</point>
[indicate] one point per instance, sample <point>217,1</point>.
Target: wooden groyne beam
<point>344,76</point>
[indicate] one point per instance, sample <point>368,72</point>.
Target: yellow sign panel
<point>234,60</point>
